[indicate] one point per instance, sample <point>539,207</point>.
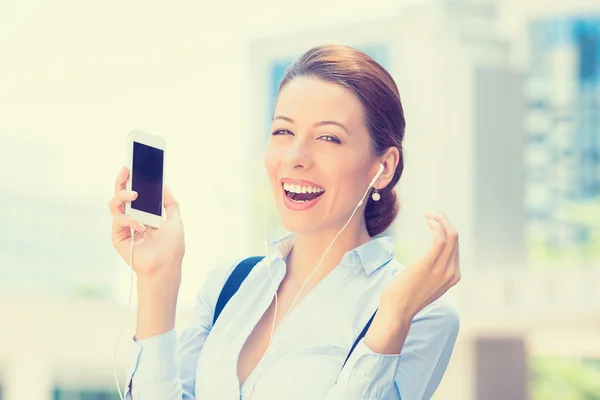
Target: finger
<point>121,221</point>
<point>122,178</point>
<point>453,266</point>
<point>456,259</point>
<point>438,244</point>
<point>171,205</point>
<point>451,277</point>
<point>450,235</point>
<point>117,204</point>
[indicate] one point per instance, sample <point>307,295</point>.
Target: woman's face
<point>319,157</point>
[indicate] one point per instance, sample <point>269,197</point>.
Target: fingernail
<point>135,194</point>
<point>143,227</point>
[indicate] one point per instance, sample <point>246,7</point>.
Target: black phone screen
<point>147,178</point>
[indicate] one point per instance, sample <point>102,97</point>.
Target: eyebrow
<point>320,123</point>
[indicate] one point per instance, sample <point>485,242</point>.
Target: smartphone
<point>147,167</point>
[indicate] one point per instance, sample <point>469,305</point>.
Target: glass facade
<point>563,129</point>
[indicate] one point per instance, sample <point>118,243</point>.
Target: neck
<point>309,248</point>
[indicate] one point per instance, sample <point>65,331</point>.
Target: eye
<point>330,138</point>
<point>281,132</point>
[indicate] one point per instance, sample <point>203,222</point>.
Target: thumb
<point>170,204</point>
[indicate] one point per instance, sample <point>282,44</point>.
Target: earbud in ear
<point>377,175</point>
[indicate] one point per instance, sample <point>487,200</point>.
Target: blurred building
<point>50,244</point>
<point>52,247</point>
<point>563,125</point>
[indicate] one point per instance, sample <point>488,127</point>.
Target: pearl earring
<point>375,196</point>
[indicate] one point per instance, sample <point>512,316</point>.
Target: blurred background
<point>502,100</point>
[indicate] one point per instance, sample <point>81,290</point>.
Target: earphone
<point>371,184</point>
<point>377,175</point>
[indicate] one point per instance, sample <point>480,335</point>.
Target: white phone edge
<point>158,142</point>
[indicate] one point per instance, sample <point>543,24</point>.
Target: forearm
<point>389,328</point>
<point>371,370</point>
<point>157,305</point>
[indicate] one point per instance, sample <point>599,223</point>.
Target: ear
<point>390,161</point>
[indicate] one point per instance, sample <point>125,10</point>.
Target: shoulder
<point>214,282</point>
<point>218,275</point>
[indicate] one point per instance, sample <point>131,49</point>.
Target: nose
<point>298,154</point>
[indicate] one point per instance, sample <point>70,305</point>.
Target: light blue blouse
<point>304,360</point>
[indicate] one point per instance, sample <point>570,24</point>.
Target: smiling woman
<point>329,313</point>
<point>369,121</point>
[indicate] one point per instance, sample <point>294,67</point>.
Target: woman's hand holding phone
<point>157,252</point>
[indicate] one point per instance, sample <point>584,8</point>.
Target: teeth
<point>301,189</point>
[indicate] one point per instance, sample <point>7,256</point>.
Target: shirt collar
<point>370,255</point>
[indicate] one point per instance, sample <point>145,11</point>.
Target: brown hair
<point>384,115</point>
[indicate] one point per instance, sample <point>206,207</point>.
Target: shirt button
<point>361,373</point>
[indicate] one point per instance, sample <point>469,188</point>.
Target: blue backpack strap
<point>362,334</point>
<point>233,283</point>
<point>364,331</point>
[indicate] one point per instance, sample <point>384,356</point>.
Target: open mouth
<point>302,194</point>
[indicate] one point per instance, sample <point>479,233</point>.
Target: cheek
<point>354,184</point>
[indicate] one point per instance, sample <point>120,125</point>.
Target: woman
<point>287,332</point>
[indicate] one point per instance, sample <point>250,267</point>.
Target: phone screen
<point>147,178</point>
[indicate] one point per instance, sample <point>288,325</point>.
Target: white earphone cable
<point>371,184</point>
<point>324,254</point>
<point>121,395</point>
<point>268,255</point>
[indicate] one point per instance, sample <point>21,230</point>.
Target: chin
<point>298,224</point>
<point>301,221</point>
